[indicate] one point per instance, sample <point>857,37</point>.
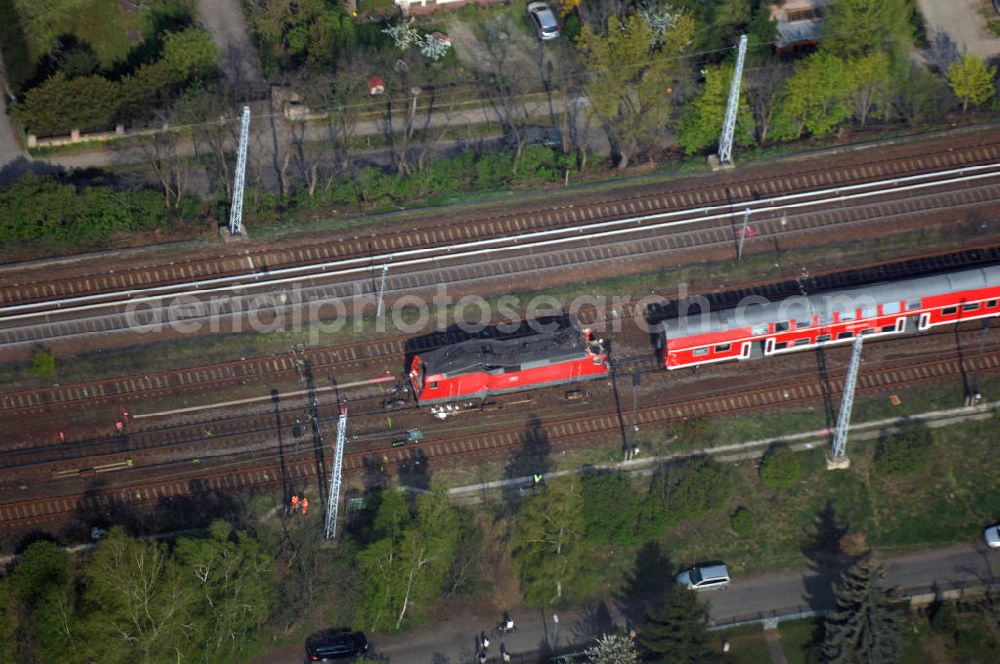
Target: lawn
<point>746,645</point>
<point>826,511</point>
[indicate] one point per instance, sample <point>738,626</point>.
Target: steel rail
<point>523,241</point>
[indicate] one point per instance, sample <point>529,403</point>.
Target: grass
<point>104,27</point>
<point>746,645</point>
<point>797,639</point>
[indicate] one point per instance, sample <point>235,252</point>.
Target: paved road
<point>964,23</point>
<point>10,147</point>
<point>452,639</point>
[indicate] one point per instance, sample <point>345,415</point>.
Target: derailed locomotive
<point>479,368</point>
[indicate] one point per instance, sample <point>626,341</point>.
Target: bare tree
<point>763,85</point>
<point>164,152</point>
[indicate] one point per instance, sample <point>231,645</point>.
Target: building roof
<point>826,304</point>
<point>506,354</point>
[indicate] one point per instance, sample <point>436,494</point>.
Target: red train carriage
<point>824,319</point>
<point>479,368</point>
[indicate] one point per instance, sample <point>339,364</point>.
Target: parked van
<point>705,576</point>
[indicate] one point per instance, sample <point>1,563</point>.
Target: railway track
<point>345,358</point>
<point>345,286</point>
<point>23,285</point>
<point>139,487</point>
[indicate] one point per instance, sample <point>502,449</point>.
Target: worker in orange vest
<point>305,505</point>
<point>295,502</point>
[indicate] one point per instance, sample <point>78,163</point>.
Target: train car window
<point>433,385</point>
<point>781,345</point>
<point>845,335</point>
<point>912,305</point>
<point>823,338</point>
<point>868,313</point>
<point>990,304</point>
<point>870,330</point>
<point>799,324</point>
<point>890,308</point>
<point>598,360</point>
<point>970,306</point>
<point>888,328</point>
<point>802,342</point>
<point>700,351</point>
<point>759,329</point>
<point>847,315</point>
<point>781,327</point>
<point>722,348</point>
<point>948,311</point>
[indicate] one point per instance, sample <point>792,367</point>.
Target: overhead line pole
<point>335,474</point>
<point>838,455</point>
<point>729,125</point>
<point>236,211</point>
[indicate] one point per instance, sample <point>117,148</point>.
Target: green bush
<point>904,453</point>
<point>780,468</point>
<point>741,521</point>
<point>47,211</point>
<point>61,104</point>
<point>610,508</point>
<point>43,363</point>
<point>493,170</point>
<point>692,489</point>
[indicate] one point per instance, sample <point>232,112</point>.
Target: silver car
<point>992,536</point>
<point>705,576</point>
<point>545,21</point>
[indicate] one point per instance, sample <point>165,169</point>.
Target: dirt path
<point>224,20</point>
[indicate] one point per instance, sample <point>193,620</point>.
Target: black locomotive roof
<point>523,352</point>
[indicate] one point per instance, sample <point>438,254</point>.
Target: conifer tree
<point>678,631</point>
<point>864,627</point>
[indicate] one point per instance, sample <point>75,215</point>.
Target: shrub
<point>904,453</point>
<point>43,363</point>
<point>61,104</point>
<point>610,508</point>
<point>741,521</point>
<point>493,170</point>
<point>780,468</point>
<point>692,489</point>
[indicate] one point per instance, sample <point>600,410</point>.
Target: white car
<point>992,536</point>
<point>545,21</point>
<point>704,577</point>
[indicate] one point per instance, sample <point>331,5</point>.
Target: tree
<point>871,83</point>
<point>971,81</point>
<point>8,623</point>
<point>613,649</point>
<point>61,104</point>
<point>701,122</point>
<point>138,606</point>
<point>406,567</point>
<point>780,468</point>
<point>190,54</point>
<point>546,546</point>
<point>865,626</point>
<point>855,28</point>
<point>631,74</point>
<point>764,85</point>
<point>677,632</point>
<point>235,581</point>
<point>815,98</point>
<point>40,582</point>
<point>921,96</point>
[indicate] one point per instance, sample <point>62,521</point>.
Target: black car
<point>335,644</point>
